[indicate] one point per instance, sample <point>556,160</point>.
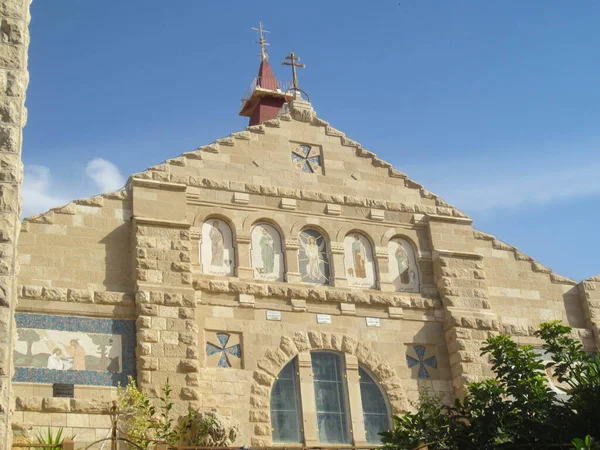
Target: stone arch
<point>301,224</point>
<point>203,216</point>
<point>269,366</point>
<point>259,217</point>
<point>406,234</point>
<point>346,229</point>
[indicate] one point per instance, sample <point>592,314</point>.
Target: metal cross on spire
<point>262,42</point>
<point>294,59</point>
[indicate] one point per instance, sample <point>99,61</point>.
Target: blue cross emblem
<point>421,361</point>
<point>234,350</point>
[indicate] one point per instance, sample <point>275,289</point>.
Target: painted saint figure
<point>267,252</point>
<point>358,253</point>
<point>56,360</point>
<point>312,250</point>
<point>217,245</point>
<point>77,352</point>
<point>403,265</point>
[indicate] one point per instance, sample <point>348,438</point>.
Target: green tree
<point>517,407</point>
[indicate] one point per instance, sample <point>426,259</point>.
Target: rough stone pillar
<point>167,330</point>
<point>355,403</point>
<point>13,115</point>
<point>460,279</point>
<point>589,291</point>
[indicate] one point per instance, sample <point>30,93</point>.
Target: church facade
<point>284,276</point>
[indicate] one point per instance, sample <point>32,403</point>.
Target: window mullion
<point>307,397</point>
<point>354,410</point>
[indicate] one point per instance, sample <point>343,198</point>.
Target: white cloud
<point>488,185</point>
<point>105,174</point>
<point>41,192</point>
<point>37,191</point>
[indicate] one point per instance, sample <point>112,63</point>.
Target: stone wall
<point>14,78</point>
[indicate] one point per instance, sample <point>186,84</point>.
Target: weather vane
<point>262,42</point>
<point>294,59</point>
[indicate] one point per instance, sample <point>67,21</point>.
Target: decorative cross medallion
<point>234,350</point>
<point>306,158</point>
<point>421,361</point>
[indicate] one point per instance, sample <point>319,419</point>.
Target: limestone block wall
<point>524,293</point>
<point>589,291</point>
<point>14,40</point>
<point>82,246</point>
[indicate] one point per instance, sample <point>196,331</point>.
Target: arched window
<point>331,403</point>
<point>330,398</point>
<point>285,407</point>
<point>404,272</point>
<point>359,261</point>
<point>375,411</point>
<point>313,259</point>
<point>265,253</point>
<point>217,252</point>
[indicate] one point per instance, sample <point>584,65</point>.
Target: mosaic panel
<point>223,350</point>
<point>422,359</point>
<point>313,260</point>
<point>217,252</point>
<point>307,158</point>
<point>74,350</point>
<point>403,266</point>
<point>359,262</point>
<point>266,254</point>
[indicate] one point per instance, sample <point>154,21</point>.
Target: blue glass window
<point>285,406</point>
<point>375,410</point>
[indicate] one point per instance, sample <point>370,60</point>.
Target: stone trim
<point>160,222</point>
<point>67,405</point>
<point>305,292</point>
<point>438,253</point>
<point>75,295</point>
<point>269,366</point>
<point>441,218</point>
<point>158,184</point>
<point>520,256</point>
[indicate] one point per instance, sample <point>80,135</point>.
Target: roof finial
<point>262,42</point>
<point>293,58</point>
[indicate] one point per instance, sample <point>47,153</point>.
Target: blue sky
<point>492,105</point>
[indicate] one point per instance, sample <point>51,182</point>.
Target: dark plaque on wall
<point>62,390</point>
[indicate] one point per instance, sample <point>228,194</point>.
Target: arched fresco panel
<point>217,252</point>
<point>266,253</point>
<point>359,261</point>
<point>404,273</point>
<point>313,257</point>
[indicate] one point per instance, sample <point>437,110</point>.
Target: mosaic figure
<point>216,242</point>
<point>403,266</point>
<point>359,262</point>
<point>216,248</point>
<point>56,361</point>
<point>77,352</point>
<point>312,257</point>
<point>266,255</point>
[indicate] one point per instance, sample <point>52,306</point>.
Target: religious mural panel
<point>217,252</point>
<point>313,260</point>
<point>74,350</point>
<point>266,254</point>
<point>404,272</point>
<point>223,349</point>
<point>359,262</point>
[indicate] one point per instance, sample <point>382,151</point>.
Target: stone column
<point>336,265</point>
<point>244,268</point>
<point>460,279</point>
<point>13,115</point>
<point>383,269</point>
<point>291,261</point>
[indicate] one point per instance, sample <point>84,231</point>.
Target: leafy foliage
<point>144,424</point>
<point>517,408</point>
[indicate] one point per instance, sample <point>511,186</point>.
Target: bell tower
<point>266,95</point>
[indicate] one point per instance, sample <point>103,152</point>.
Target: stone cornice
<point>439,253</point>
<point>156,184</point>
<point>160,222</point>
<point>331,294</point>
<point>453,219</point>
